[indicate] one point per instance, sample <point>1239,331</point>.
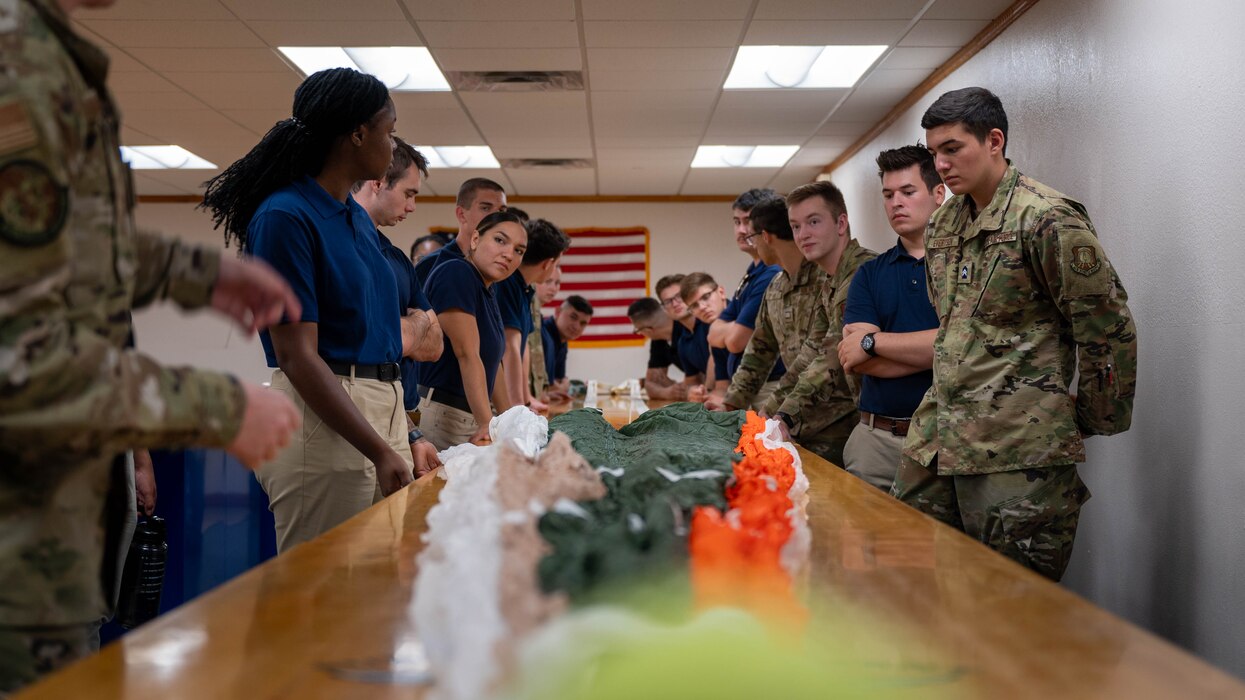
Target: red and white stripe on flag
<point>609,268</point>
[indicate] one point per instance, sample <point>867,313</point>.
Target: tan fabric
<point>444,426</point>
<point>321,480</point>
<point>873,455</point>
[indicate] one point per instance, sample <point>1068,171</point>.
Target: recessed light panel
<point>163,158</point>
<point>743,156</point>
<point>400,68</point>
<point>459,156</point>
<point>802,67</point>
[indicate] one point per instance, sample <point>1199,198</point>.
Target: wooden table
<point>345,600</point>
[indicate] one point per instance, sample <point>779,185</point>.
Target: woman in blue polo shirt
<point>454,391</point>
<point>288,202</point>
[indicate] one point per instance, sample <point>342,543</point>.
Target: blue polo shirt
<point>555,349</point>
<point>429,262</point>
<point>661,354</point>
<point>744,306</point>
<point>693,347</point>
<point>410,296</point>
<point>455,284</point>
<point>889,292</point>
<point>330,254</point>
<point>514,300</point>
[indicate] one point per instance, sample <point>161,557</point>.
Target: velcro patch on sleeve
<point>17,131</point>
<point>1085,271</point>
<point>33,205</point>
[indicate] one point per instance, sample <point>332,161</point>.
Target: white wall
<point>683,238</point>
<point>1134,107</point>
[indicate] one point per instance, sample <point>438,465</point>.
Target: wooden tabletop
<point>314,621</point>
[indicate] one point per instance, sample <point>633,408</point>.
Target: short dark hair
<point>438,238</point>
<point>467,191</point>
<point>978,109</point>
<point>667,281</point>
<point>753,197</point>
<point>905,157</point>
<point>519,213</point>
<point>495,218</point>
<point>771,217</point>
<point>404,156</point>
<point>544,240</point>
<point>694,281</point>
<point>831,195</point>
<point>581,304</point>
<point>642,308</point>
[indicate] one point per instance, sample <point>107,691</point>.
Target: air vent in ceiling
<point>516,81</point>
<point>559,163</point>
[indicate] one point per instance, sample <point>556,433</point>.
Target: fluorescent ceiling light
<point>459,156</point>
<point>800,66</point>
<point>401,68</point>
<point>163,158</point>
<point>743,156</point>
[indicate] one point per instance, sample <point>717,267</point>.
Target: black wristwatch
<point>866,344</point>
<point>787,419</point>
<point>414,436</point>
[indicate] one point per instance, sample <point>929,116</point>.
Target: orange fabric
<point>736,557</point>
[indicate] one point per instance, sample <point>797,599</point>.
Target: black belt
<point>385,372</point>
<point>447,398</point>
<point>894,426</point>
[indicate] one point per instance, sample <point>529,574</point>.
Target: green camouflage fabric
<point>536,350</point>
<point>71,268</point>
<point>1026,298</point>
<point>1029,515</point>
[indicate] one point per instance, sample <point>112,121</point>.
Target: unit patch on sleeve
<point>33,206</point>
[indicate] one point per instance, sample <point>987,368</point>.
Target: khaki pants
<point>873,455</point>
<point>767,390</point>
<point>320,480</point>
<point>445,426</point>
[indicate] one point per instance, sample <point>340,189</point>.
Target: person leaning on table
<point>455,389</point>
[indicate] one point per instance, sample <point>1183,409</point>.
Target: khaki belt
<point>894,426</point>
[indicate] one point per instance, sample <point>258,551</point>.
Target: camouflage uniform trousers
<point>29,653</point>
<point>829,442</point>
<point>1028,515</point>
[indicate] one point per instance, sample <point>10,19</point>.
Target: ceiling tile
<point>665,9</point>
<point>160,9</point>
<point>967,9</point>
<point>541,147</point>
<point>681,157</point>
<point>528,113</point>
<point>870,105</point>
<point>628,141</point>
<point>146,184</point>
<point>552,181</point>
<point>677,80</point>
<point>336,33</point>
<point>508,59</point>
<point>511,34</point>
<point>139,101</point>
<point>319,9</point>
<point>651,112</point>
<point>659,59</point>
<point>834,144</point>
<point>491,10</point>
<point>175,34</point>
<point>837,126</point>
<point>943,32</point>
<point>257,120</point>
<point>726,180</point>
<point>791,178</point>
<point>662,34</point>
<point>838,9</point>
<point>924,58</point>
<point>449,179</point>
<point>639,179</point>
<point>206,60</point>
<point>792,113</point>
<point>817,33</point>
<point>893,79</point>
<point>812,156</point>
<point>225,91</point>
<point>139,81</point>
<point>120,61</point>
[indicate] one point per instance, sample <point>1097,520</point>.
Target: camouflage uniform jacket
<point>793,324</point>
<point>71,268</point>
<point>1023,293</point>
<point>536,351</point>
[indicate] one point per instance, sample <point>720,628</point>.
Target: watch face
<point>867,343</point>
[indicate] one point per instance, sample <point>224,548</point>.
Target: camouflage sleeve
<point>170,269</point>
<point>810,373</point>
<point>755,366</point>
<point>1072,267</point>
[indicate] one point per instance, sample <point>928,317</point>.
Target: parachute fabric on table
<point>655,470</point>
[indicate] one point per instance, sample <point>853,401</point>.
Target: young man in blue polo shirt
<point>890,323</point>
<point>388,201</point>
<point>545,245</point>
<point>477,198</point>
<point>651,321</point>
<point>735,325</point>
<point>556,331</point>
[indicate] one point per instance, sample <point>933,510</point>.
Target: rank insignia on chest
<point>1085,260</point>
<point>965,275</point>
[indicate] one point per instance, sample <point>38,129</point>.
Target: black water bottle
<point>143,577</point>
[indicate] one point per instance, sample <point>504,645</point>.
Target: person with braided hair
<point>288,202</point>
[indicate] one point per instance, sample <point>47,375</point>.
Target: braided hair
<point>327,105</point>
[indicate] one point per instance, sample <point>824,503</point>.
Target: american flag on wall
<point>609,268</point>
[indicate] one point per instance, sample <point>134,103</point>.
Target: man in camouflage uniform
<point>1026,299</point>
<point>815,400</point>
<point>72,397</point>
